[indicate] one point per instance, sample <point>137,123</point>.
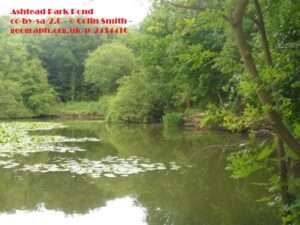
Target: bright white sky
<point>134,10</point>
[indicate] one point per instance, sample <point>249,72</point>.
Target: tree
<point>63,57</point>
<point>107,64</point>
<point>269,72</point>
<point>11,104</point>
<point>25,79</point>
<point>140,98</point>
<point>236,21</point>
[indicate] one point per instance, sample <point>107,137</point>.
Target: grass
<point>77,109</point>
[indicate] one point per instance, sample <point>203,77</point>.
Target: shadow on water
<point>198,192</point>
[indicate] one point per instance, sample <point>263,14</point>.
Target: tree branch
<point>265,98</point>
<point>262,30</point>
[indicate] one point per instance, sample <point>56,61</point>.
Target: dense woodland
<point>231,64</point>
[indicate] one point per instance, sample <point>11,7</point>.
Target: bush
<point>24,83</point>
<point>104,103</point>
<point>249,118</point>
<point>173,119</point>
<point>212,118</point>
<point>11,103</point>
<point>41,103</point>
<point>107,64</point>
<point>139,99</point>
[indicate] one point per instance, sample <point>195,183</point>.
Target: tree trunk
<point>283,167</point>
<point>283,164</point>
<point>72,86</point>
<point>266,99</point>
<point>283,172</point>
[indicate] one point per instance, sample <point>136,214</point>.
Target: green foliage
<point>259,156</point>
<point>25,80</point>
<point>297,129</point>
<point>139,99</point>
<point>292,213</point>
<point>104,103</point>
<point>107,64</point>
<point>250,159</point>
<point>242,164</point>
<point>41,103</point>
<point>63,57</point>
<point>214,117</point>
<point>173,119</point>
<point>11,103</point>
<point>186,60</point>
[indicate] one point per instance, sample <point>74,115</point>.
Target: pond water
<point>88,173</point>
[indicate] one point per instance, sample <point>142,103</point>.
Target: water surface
<point>87,172</point>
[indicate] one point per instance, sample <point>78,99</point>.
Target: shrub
<point>104,103</point>
<point>139,99</point>
<point>173,119</point>
<point>11,104</point>
<point>107,64</point>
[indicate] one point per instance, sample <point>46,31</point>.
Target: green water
<point>135,175</point>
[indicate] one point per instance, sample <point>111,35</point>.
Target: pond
<point>89,172</point>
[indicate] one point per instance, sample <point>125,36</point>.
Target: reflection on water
<point>91,172</point>
<point>115,212</point>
